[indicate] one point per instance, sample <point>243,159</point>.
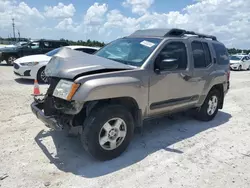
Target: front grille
<point>16,66</point>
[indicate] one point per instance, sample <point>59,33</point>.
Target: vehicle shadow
<point>4,64</point>
<point>26,81</point>
<point>157,135</point>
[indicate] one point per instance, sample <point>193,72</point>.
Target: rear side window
<point>221,54</point>
<point>63,44</point>
<point>47,44</point>
<point>87,50</point>
<point>207,54</point>
<point>198,55</point>
<point>56,44</point>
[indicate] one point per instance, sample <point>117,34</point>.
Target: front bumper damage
<point>56,113</point>
<point>49,121</point>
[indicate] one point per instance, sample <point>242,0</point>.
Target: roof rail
<point>180,33</point>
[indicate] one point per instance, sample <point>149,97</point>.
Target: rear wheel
<point>210,107</point>
<point>41,77</point>
<point>10,60</point>
<point>107,132</point>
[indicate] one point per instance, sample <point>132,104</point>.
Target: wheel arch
<point>38,71</point>
<point>220,88</point>
<point>128,102</point>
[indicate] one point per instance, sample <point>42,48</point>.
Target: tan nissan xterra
<point>148,74</point>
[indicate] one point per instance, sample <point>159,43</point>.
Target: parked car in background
<point>35,47</point>
<point>240,62</point>
<point>18,44</point>
<point>32,67</point>
<point>148,74</point>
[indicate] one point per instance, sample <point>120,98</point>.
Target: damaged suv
<point>148,74</point>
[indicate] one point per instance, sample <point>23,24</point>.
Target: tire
<point>10,59</point>
<point>94,130</point>
<point>240,68</point>
<point>203,112</point>
<point>248,68</point>
<point>41,78</point>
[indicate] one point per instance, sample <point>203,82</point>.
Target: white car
<point>240,62</point>
<point>32,67</point>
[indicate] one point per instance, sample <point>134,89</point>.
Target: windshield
<point>53,52</point>
<point>236,58</point>
<point>132,51</point>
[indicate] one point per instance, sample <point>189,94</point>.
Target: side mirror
<point>166,64</point>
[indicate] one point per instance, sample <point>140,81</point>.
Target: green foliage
<point>85,43</point>
<point>236,51</point>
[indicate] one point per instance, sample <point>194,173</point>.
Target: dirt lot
<point>170,153</point>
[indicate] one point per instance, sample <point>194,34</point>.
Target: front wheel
<point>10,60</point>
<point>41,77</point>
<point>210,107</point>
<point>107,132</point>
<point>240,68</point>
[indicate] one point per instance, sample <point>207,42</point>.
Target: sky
<point>106,20</point>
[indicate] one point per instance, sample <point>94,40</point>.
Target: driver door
<point>172,88</point>
<point>31,49</point>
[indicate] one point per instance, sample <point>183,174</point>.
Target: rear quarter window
<point>221,54</point>
<point>57,44</point>
<point>87,50</point>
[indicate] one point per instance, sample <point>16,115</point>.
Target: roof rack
<point>181,33</point>
<point>168,33</point>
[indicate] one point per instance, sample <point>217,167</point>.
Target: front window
<point>235,58</point>
<point>33,45</point>
<point>131,51</point>
<point>53,52</point>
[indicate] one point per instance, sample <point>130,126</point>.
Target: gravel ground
<point>175,153</point>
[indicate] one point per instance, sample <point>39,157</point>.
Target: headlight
<point>65,89</point>
<point>29,64</point>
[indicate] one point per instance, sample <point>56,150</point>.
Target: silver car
<point>148,74</point>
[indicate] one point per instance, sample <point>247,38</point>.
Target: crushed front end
<point>54,112</point>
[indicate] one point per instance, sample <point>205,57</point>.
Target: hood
<point>7,46</point>
<point>8,49</point>
<point>68,63</point>
<point>33,58</point>
<point>234,61</point>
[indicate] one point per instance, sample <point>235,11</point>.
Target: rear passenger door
<point>202,64</point>
<point>47,46</point>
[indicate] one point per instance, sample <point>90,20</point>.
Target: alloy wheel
<point>212,105</point>
<point>112,134</point>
